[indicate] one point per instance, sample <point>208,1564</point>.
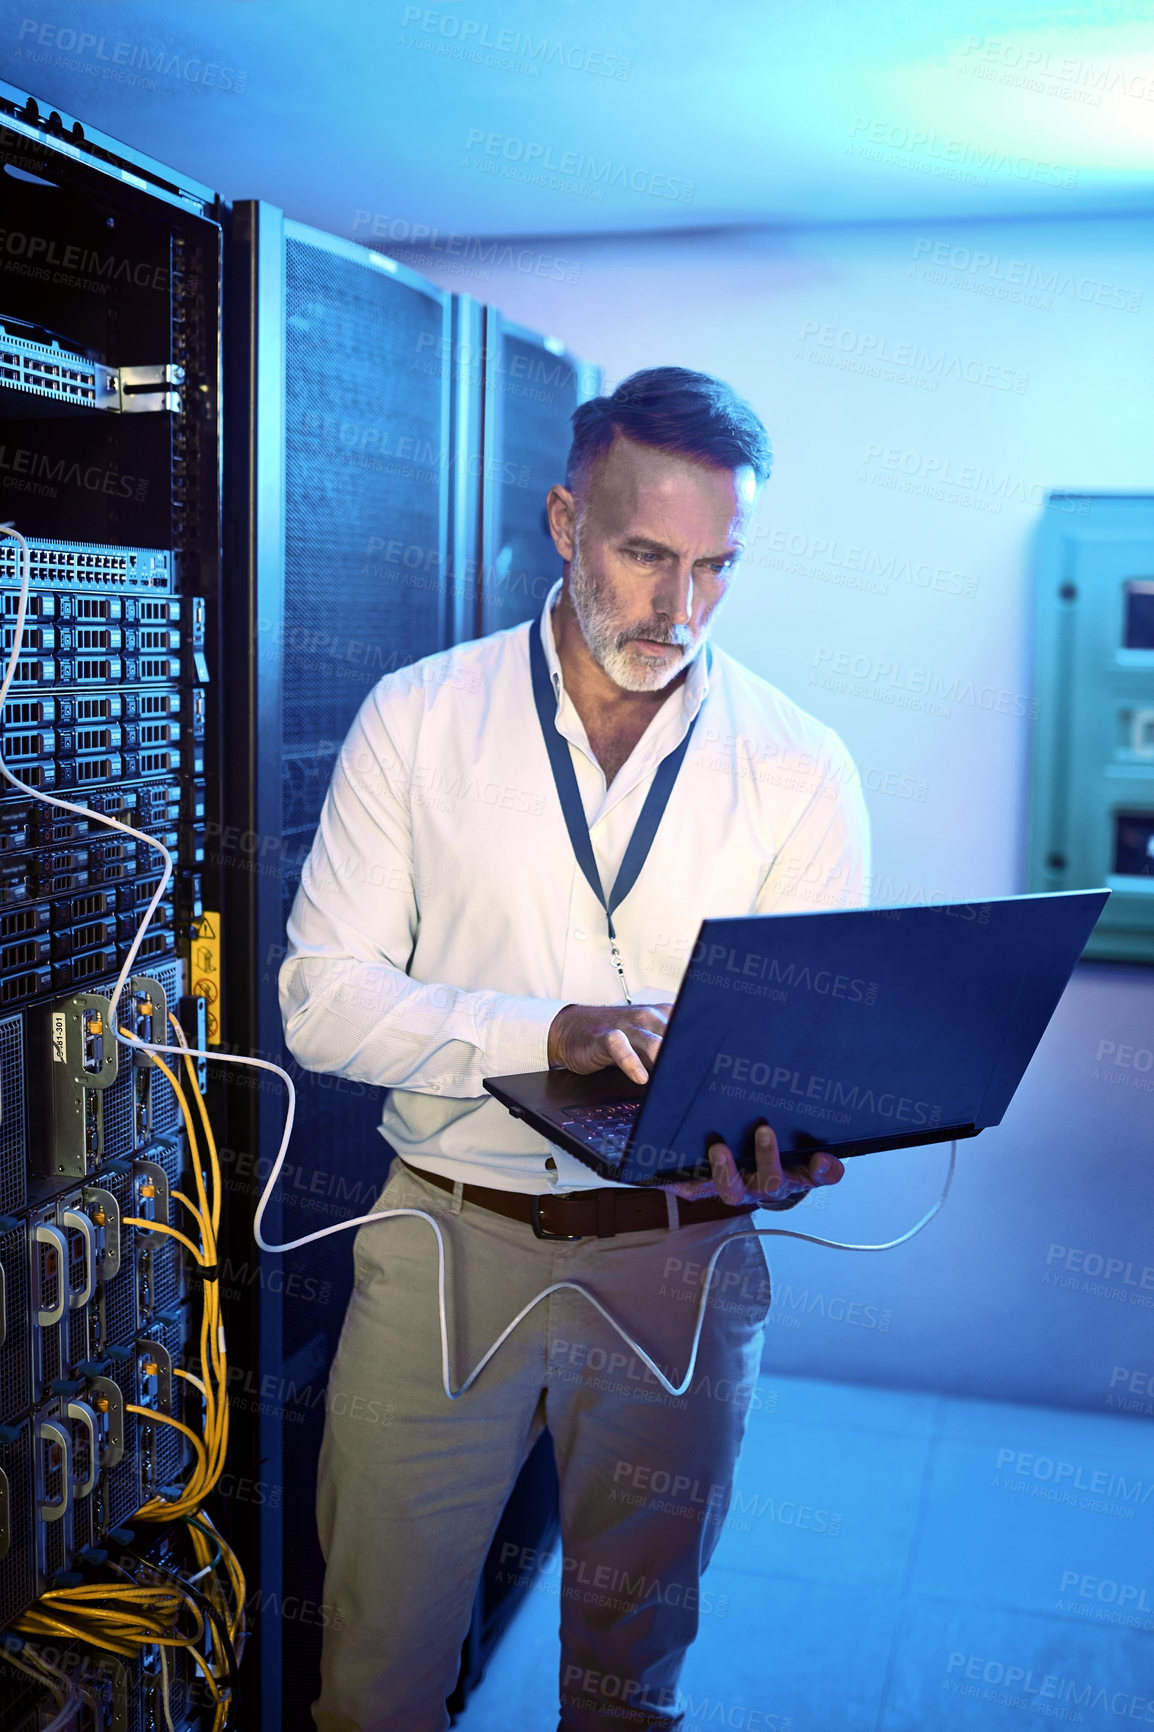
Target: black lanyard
<point>569,795</point>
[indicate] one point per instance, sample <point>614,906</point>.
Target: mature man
<point>443,933</point>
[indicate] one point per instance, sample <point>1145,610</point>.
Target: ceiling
<point>556,117</point>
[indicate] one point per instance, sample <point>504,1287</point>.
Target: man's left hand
<point>771,1186</point>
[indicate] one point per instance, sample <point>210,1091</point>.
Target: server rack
<point>110,466</point>
<point>352,499</point>
<point>371,432</point>
<point>532,386</point>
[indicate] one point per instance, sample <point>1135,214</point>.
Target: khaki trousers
<point>412,1485</point>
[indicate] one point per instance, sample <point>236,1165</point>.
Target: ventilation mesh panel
<point>15,1363</point>
<point>536,394</point>
<point>12,1155</point>
<point>366,462</point>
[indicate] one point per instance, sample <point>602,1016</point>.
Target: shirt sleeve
<point>348,1004</point>
<point>823,861</point>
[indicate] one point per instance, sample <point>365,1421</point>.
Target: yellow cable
<point>211,1464</point>
<point>165,1419</point>
<point>140,1615</point>
<point>179,1197</point>
<point>210,1140</point>
<point>209,1213</point>
<point>160,1227</point>
<point>31,1623</point>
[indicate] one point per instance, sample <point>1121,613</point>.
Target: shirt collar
<point>693,692</point>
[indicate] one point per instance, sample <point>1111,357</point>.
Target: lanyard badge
<point>565,778</point>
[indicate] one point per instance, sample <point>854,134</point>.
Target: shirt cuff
<point>516,1035</point>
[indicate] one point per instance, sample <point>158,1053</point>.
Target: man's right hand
<point>589,1037</point>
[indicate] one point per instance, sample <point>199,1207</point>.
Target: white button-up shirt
<point>442,919</point>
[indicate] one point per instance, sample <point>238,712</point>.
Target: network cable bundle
<point>121,1605</point>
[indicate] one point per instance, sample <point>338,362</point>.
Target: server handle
<point>80,1410</point>
<point>45,1234</point>
<point>80,1223</point>
<point>48,1429</point>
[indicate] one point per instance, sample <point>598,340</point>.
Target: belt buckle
<point>539,1231</point>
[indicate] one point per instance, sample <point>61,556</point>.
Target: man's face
<point>650,558</point>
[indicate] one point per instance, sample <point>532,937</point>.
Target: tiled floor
<point>904,1563</point>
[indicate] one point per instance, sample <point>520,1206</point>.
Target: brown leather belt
<point>597,1214</point>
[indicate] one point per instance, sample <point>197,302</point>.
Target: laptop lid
<point>879,1026</point>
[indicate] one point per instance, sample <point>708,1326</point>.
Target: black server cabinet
<point>532,386</point>
<point>351,492</point>
<point>110,465</point>
<point>385,434</point>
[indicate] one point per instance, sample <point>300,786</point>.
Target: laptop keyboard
<point>604,1129</point>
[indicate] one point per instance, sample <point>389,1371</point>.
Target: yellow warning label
<point>205,971</point>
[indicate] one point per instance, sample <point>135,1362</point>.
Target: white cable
<point>388,1214</point>
<point>575,1287</point>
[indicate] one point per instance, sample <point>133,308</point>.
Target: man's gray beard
<point>602,636</point>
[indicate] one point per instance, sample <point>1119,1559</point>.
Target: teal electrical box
<point>1092,773</point>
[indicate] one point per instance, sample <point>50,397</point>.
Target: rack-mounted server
<point>110,469</point>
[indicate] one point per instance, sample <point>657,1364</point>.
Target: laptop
<point>853,1031</point>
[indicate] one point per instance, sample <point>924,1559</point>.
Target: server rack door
<point>532,386</point>
<point>353,504</point>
